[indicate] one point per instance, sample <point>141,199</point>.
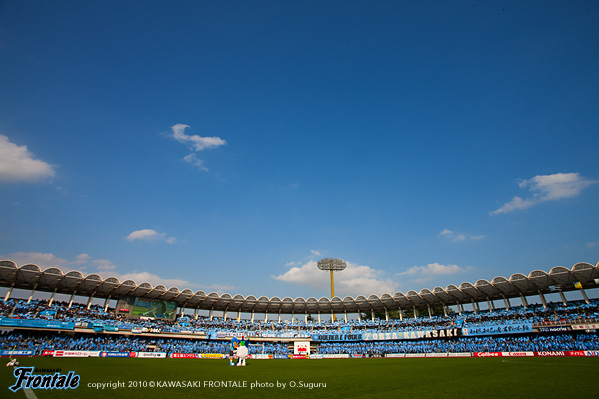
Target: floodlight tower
<point>332,265</point>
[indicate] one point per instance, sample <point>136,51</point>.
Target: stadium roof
<point>52,279</point>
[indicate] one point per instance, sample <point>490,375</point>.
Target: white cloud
<point>457,237</point>
<point>17,164</point>
<point>43,260</point>
<point>314,252</point>
<point>104,264</point>
<point>146,277</point>
<point>354,280</point>
<point>195,161</point>
<point>422,274</point>
<point>150,235</point>
<point>197,143</point>
<point>593,244</point>
<point>547,188</point>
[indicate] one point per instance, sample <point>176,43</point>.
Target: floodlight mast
<point>332,264</point>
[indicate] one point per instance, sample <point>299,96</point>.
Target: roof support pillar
<point>89,300</point>
<point>415,312</point>
<point>252,317</point>
<point>71,300</point>
<point>474,307</point>
<point>52,298</point>
<point>211,314</point>
<point>584,294</point>
<point>543,301</point>
<point>430,311</point>
<point>506,302</point>
<point>346,316</point>
<point>524,301</point>
<point>445,310</point>
<point>265,316</point>
<point>387,315</point>
<point>8,293</point>
<point>106,302</point>
<point>195,313</point>
<point>319,316</point>
<point>401,314</point>
<point>563,297</point>
<point>359,316</point>
<point>490,304</point>
<point>225,315</point>
<point>32,292</point>
<point>372,314</point>
<point>279,319</point>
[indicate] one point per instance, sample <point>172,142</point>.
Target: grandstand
<point>138,325</point>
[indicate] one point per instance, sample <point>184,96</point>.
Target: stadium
<point>138,322</point>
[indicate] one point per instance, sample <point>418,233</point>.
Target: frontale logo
<point>26,379</point>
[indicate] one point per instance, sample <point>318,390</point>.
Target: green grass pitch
<point>344,378</point>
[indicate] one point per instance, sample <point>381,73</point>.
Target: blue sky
<point>227,146</point>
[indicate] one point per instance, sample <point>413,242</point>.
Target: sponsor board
<point>459,354</point>
<point>316,356</point>
<point>48,353</point>
<point>154,355</point>
<point>397,355</point>
<point>585,326</point>
<point>212,356</point>
<point>183,356</point>
<point>8,352</point>
<point>501,329</point>
<point>71,354</point>
<point>336,356</point>
<point>591,353</point>
<point>436,355</point>
<point>299,357</point>
<point>357,356</point>
<point>554,329</point>
<point>301,348</point>
<point>551,353</point>
<point>517,354</point>
<point>115,354</point>
<point>415,355</point>
<point>261,356</point>
<point>487,354</point>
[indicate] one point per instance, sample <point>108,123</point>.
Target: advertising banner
<point>336,356</point>
<point>9,352</point>
<point>460,354</point>
<point>498,330</point>
<point>153,355</point>
<point>554,329</point>
<point>422,334</point>
<point>71,354</point>
<point>183,356</point>
<point>261,356</point>
<point>487,354</point>
<point>299,357</point>
<point>337,337</point>
<point>517,354</point>
<point>301,348</point>
<point>585,326</point>
<point>211,355</point>
<point>62,325</point>
<point>115,354</point>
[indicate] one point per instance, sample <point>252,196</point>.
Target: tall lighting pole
<point>332,265</point>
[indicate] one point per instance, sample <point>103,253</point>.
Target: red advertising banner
<point>487,354</point>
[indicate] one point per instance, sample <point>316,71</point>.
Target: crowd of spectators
<point>562,342</point>
<point>42,341</point>
<point>554,313</point>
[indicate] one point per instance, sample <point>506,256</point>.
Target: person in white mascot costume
<point>240,349</point>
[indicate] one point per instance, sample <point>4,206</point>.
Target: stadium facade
<point>582,276</point>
